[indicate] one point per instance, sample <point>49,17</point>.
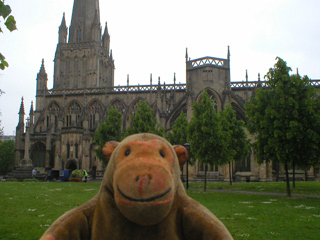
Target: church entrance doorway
<point>71,165</point>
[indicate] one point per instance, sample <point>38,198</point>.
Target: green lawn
<point>27,209</point>
<point>308,188</point>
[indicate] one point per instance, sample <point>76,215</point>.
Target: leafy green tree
<point>109,130</point>
<point>1,128</point>
<point>10,24</point>
<point>144,121</point>
<point>205,134</point>
<point>7,155</point>
<point>178,134</point>
<point>285,118</point>
<point>236,138</point>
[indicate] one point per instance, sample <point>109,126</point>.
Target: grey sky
<point>151,37</point>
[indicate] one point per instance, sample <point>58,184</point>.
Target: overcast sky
<point>152,37</point>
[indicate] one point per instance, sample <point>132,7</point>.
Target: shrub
<point>77,174</point>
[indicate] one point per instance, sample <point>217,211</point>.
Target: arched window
<point>38,154</point>
<point>73,115</point>
<point>78,35</point>
<point>95,114</point>
<point>244,165</point>
<point>53,111</point>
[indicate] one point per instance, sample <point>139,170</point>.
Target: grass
<point>28,208</point>
<point>308,188</point>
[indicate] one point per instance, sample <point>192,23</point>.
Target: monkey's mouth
<point>144,199</point>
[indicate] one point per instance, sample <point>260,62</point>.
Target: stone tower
<point>85,61</point>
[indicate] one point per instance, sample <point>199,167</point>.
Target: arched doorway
<point>38,154</point>
<point>71,165</point>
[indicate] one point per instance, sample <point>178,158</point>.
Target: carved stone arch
<point>155,108</point>
<point>118,104</point>
<point>214,96</point>
<point>54,107</point>
<point>73,112</point>
<point>79,34</point>
<point>237,104</point>
<point>95,105</point>
<point>132,109</point>
<point>38,154</point>
<point>53,114</point>
<point>121,107</point>
<point>72,164</point>
<point>73,106</point>
<point>240,113</point>
<point>175,115</point>
<point>95,111</point>
<point>238,100</point>
<point>133,106</point>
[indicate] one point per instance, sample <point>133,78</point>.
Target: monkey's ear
<point>108,148</point>
<point>182,153</point>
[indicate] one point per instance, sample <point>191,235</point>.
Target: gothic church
<point>59,132</point>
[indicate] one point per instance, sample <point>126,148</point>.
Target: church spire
<point>31,114</point>
<point>42,79</point>
<point>106,38</point>
<point>63,30</point>
<point>85,15</point>
<point>21,115</point>
<point>21,111</point>
<point>20,126</point>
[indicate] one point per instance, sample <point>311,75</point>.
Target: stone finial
<point>246,75</point>
<point>31,108</point>
<point>22,107</point>
<point>186,54</point>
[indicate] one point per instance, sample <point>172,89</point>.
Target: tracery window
<point>53,112</point>
<point>95,114</point>
<point>78,35</point>
<point>244,165</point>
<point>73,114</point>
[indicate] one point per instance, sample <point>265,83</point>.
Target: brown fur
<point>141,197</point>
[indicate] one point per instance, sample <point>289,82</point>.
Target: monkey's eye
<point>162,153</point>
<point>127,152</point>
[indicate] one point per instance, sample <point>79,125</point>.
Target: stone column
<point>26,161</point>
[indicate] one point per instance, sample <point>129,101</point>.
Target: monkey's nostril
<point>137,178</point>
<point>149,177</point>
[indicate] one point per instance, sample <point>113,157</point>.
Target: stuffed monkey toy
<point>141,197</point>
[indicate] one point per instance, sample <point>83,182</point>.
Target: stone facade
<point>59,133</point>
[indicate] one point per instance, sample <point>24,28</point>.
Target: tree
<point>236,138</point>
<point>178,134</point>
<point>10,24</point>
<point>144,121</point>
<point>109,130</point>
<point>205,134</point>
<point>1,128</point>
<point>285,118</point>
<point>7,155</point>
